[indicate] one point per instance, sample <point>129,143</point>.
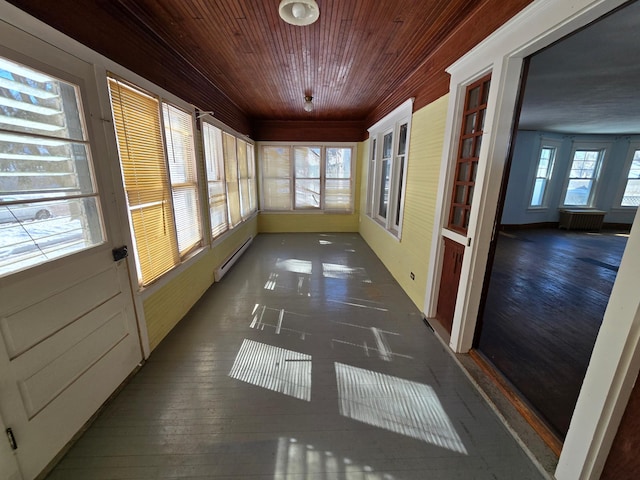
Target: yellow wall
<point>316,222</point>
<point>311,222</point>
<point>166,307</point>
<point>411,253</point>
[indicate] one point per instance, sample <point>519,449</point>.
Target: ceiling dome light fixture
<point>299,12</point>
<point>308,103</point>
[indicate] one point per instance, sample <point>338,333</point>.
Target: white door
<point>68,333</point>
<point>8,464</point>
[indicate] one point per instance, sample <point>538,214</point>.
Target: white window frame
<point>544,143</point>
<point>633,148</point>
<point>398,176</point>
<point>604,148</point>
<point>292,176</point>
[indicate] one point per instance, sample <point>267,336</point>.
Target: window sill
<point>306,212</point>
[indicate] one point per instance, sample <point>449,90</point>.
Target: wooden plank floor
<point>548,292</point>
<point>307,361</point>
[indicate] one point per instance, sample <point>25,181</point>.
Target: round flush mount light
<point>299,12</point>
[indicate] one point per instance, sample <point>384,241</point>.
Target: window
<point>161,197</point>
<point>49,205</point>
<point>181,156</point>
<point>231,174</point>
<point>585,166</point>
<point>307,177</point>
<point>216,188</point>
<point>546,160</point>
<point>631,195</point>
<point>464,180</point>
<point>389,140</point>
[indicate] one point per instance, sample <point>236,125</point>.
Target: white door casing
<point>68,334</point>
<point>616,356</point>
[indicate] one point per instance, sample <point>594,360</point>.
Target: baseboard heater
<point>590,220</point>
<point>231,259</point>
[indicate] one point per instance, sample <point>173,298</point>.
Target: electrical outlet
<point>413,277</point>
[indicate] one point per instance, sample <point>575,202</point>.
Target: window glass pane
<point>307,162</point>
<point>383,198</point>
<point>243,170</point>
<point>34,233</point>
<point>276,162</point>
<point>251,165</point>
<point>212,138</point>
<point>337,194</point>
<point>52,163</point>
<point>463,171</point>
<point>178,128</point>
<point>578,192</point>
<point>231,175</point>
<point>387,142</point>
<point>35,103</point>
<point>402,140</point>
<point>470,123</point>
<point>307,193</point>
<point>277,194</point>
<point>338,163</point>
<point>467,148</point>
<point>473,98</point>
<point>538,192</point>
<point>399,192</point>
<point>631,196</point>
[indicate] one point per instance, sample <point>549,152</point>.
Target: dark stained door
<point>449,281</point>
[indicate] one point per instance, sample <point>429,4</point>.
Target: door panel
<point>449,281</point>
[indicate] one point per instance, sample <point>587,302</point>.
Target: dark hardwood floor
<point>547,295</point>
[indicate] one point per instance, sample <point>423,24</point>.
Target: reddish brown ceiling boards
<point>238,58</point>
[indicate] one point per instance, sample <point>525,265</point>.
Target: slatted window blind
<point>253,187</point>
<point>276,177</point>
<point>217,191</point>
<point>338,179</point>
<point>243,170</point>
<point>181,156</point>
<point>146,179</point>
<point>231,173</point>
<point>299,177</point>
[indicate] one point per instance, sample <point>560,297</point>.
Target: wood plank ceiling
<point>239,59</point>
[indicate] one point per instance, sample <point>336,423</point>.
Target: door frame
<point>615,360</point>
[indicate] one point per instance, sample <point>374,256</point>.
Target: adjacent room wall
<point>411,252</point>
<point>523,171</point>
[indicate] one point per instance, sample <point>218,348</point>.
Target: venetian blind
<point>139,134</point>
<point>276,177</point>
<point>243,170</point>
<point>337,193</point>
<point>231,173</point>
<point>212,138</point>
<point>181,156</point>
<point>253,187</point>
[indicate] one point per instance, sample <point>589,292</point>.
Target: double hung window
<point>388,156</point>
<point>307,177</point>
<point>583,176</point>
<point>49,204</point>
<point>631,194</point>
<point>156,147</point>
<point>544,169</point>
